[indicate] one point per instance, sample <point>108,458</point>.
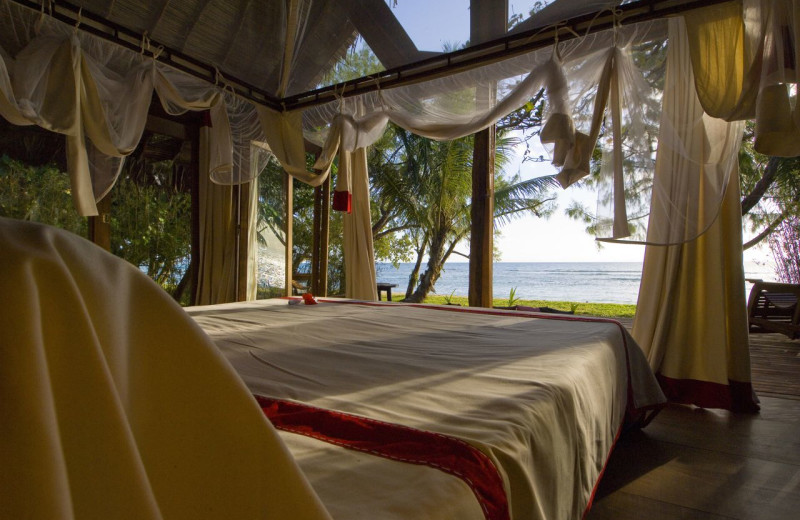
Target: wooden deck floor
<point>691,463</point>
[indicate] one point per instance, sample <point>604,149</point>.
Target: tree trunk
<point>761,187</point>
<point>432,271</point>
<point>413,278</point>
<point>177,294</point>
<point>766,232</point>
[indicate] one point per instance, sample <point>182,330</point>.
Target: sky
<point>527,239</point>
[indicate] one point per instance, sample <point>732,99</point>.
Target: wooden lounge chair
<point>773,307</point>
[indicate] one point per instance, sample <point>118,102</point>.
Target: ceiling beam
<point>429,68</point>
<point>495,50</point>
<point>97,25</point>
<point>316,55</point>
<point>379,27</point>
<point>488,20</point>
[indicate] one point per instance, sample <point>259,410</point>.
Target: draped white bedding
<point>543,398</point>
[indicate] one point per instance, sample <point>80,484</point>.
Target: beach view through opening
<point>594,282</point>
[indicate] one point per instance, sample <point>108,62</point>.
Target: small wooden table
<point>387,287</point>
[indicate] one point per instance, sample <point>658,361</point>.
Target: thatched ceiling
<point>247,41</point>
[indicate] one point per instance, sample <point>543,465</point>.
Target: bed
<point>413,411</point>
<point>117,403</point>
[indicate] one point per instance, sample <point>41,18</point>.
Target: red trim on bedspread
<point>634,417</point>
<point>602,472</point>
<point>735,396</point>
<point>396,442</point>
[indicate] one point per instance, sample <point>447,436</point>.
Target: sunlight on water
<point>601,282</point>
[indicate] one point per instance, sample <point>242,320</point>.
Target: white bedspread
<point>544,398</point>
<point>115,405</point>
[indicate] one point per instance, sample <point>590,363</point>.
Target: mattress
<point>541,398</point>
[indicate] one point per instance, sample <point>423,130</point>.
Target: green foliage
<point>272,223</point>
<point>771,184</point>
<point>421,193</point>
<point>359,62</point>
<point>606,310</point>
<point>151,223</point>
<point>512,297</point>
<point>38,193</point>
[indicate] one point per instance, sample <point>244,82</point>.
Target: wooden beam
<point>100,226</point>
<point>170,128</point>
<point>488,20</point>
<point>97,25</point>
<point>378,26</point>
<point>477,55</point>
<point>334,33</point>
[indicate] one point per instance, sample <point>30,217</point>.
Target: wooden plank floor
<point>775,365</point>
<point>691,463</point>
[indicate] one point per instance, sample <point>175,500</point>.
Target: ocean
<point>596,282</point>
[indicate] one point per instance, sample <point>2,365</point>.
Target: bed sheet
<point>543,397</point>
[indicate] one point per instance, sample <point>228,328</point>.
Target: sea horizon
<point>585,282</point>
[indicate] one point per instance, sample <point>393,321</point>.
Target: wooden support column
<point>488,20</point>
<point>194,176</point>
<point>289,204</point>
<point>100,226</point>
<point>325,236</point>
<point>242,209</point>
<point>316,249</point>
<point>319,261</point>
<point>481,246</point>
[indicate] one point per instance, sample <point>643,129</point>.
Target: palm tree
<point>423,188</point>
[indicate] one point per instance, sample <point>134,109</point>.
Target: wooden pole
<point>100,226</point>
<point>488,20</point>
<point>325,221</point>
<point>194,176</point>
<point>243,231</point>
<point>289,203</point>
<point>319,253</point>
<point>481,247</point>
<point>316,245</point>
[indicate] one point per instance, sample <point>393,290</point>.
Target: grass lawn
<point>607,310</point>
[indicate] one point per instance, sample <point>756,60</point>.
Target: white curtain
<point>587,81</point>
<point>217,261</point>
<point>744,56</point>
<point>98,94</point>
<point>691,318</point>
<point>95,92</point>
<point>359,259</point>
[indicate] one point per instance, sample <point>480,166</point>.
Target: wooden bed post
<point>488,19</point>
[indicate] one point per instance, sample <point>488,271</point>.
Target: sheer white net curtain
<point>98,95</point>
